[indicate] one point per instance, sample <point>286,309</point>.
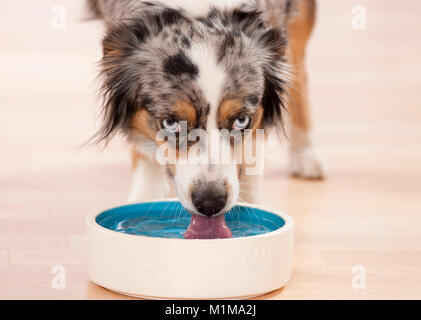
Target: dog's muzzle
<point>209,198</point>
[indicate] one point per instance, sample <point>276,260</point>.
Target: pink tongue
<point>207,228</point>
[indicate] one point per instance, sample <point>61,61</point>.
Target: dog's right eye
<point>241,123</point>
<point>171,125</point>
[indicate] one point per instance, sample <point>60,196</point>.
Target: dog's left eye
<point>241,123</point>
<point>171,125</point>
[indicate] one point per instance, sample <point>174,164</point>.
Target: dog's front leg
<point>149,180</point>
<point>251,188</point>
<point>306,161</point>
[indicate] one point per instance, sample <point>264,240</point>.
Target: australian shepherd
<point>170,67</point>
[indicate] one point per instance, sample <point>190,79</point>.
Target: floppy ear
<point>274,41</point>
<point>118,82</point>
<point>121,62</point>
<point>121,85</point>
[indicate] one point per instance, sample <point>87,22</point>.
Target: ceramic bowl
<point>124,257</point>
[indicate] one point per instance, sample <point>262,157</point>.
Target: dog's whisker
<point>250,210</point>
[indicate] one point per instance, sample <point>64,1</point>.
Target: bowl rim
<point>92,223</point>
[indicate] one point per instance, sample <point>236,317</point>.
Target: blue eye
<point>171,125</point>
<point>241,123</point>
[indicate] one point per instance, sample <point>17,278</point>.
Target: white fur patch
<point>202,7</point>
<point>187,173</point>
<point>305,159</point>
<point>211,81</point>
<point>211,78</point>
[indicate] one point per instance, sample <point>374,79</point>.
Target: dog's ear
<point>122,61</point>
<point>274,42</point>
<point>247,20</point>
<point>119,75</point>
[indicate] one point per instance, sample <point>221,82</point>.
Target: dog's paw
<point>307,163</point>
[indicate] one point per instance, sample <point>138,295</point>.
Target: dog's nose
<point>209,201</point>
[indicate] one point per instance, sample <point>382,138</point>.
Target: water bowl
<point>139,250</point>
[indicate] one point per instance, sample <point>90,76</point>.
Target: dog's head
<point>167,71</point>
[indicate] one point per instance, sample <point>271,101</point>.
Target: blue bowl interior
<point>168,219</point>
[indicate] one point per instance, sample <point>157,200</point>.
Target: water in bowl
<point>168,219</point>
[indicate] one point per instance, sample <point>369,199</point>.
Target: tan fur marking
<point>228,109</point>
<point>141,122</point>
<point>257,119</point>
<point>185,112</point>
<point>136,157</point>
<point>299,31</point>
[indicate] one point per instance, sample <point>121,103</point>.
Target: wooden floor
<point>366,93</point>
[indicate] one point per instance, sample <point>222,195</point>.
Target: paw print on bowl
<point>259,258</point>
<point>148,270</point>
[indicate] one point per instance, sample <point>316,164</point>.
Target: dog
<point>237,65</point>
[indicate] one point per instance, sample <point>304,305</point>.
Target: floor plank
<point>366,95</point>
